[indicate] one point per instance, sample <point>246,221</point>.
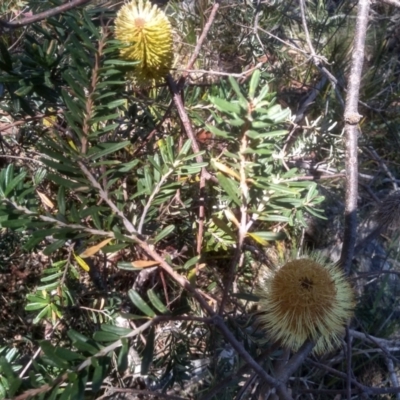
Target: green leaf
<point>223,226</point>
<point>128,166</point>
<point>66,182</point>
<point>101,336</point>
<point>72,106</point>
<point>274,218</point>
<point>70,168</point>
<point>236,88</point>
<point>74,85</point>
<point>254,81</point>
<point>38,299</point>
<point>263,93</point>
<point>50,351</point>
<point>23,91</point>
<point>81,34</point>
<point>100,372</point>
<point>140,303</point>
<point>229,187</point>
<point>39,176</point>
<point>14,382</point>
<point>316,213</point>
<point>52,277</point>
<point>191,262</point>
<point>89,24</point>
<point>156,302</point>
<point>283,189</point>
<point>260,124</point>
<point>50,249</point>
<point>116,103</point>
<point>276,114</point>
<point>246,296</point>
<point>270,235</point>
<point>102,118</point>
<point>14,182</point>
<point>61,200</point>
<point>83,343</point>
<point>165,232</point>
<point>117,330</point>
<point>225,106</point>
<point>123,356</point>
<point>121,62</point>
<point>127,266</point>
<point>7,64</point>
<point>218,132</point>
<point>148,352</point>
<point>106,148</point>
<point>236,122</point>
<point>49,287</point>
<point>184,150</point>
<point>36,306</point>
<point>270,134</point>
<point>15,223</point>
<point>67,393</point>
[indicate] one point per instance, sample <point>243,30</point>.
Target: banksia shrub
<point>147,37</point>
<point>305,299</point>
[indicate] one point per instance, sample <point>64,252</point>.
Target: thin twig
<point>103,194</point>
<point>177,98</point>
<point>376,157</point>
<point>43,15</point>
<point>392,375</point>
<point>5,126</point>
<point>360,388</point>
<point>152,196</point>
<point>238,257</point>
<point>395,3</point>
<point>202,38</point>
<point>348,359</point>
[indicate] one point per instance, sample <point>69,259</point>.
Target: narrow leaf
<point>94,249</point>
<point>165,232</point>
<point>140,303</point>
<point>82,263</point>
<point>144,263</point>
<point>148,352</point>
<point>156,302</point>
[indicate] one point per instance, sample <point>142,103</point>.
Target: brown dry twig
<point>43,15</point>
<point>178,101</point>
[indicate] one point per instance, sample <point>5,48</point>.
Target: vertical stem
<point>238,257</point>
<point>352,119</point>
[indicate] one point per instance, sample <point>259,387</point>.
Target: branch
<point>395,3</point>
<point>352,119</point>
<point>152,196</point>
<point>43,15</point>
<point>202,38</point>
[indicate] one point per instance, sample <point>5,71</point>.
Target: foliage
<point>102,176</point>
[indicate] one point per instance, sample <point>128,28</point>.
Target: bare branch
<point>352,119</point>
<point>43,15</point>
<point>395,3</point>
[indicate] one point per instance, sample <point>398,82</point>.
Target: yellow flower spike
<point>307,298</point>
<point>147,34</point>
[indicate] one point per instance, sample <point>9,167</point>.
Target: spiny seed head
<point>306,299</point>
<point>147,35</point>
